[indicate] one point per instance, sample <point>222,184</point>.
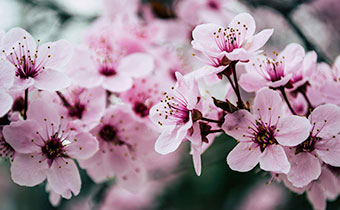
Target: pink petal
<point>6,103</point>
<point>294,55</point>
<point>244,19</point>
<point>196,158</point>
<point>329,151</point>
<point>204,38</point>
<point>28,169</point>
<point>118,83</point>
<point>317,196</point>
<point>274,159</point>
<point>136,65</point>
<point>244,157</point>
<point>20,135</point>
<point>171,138</point>
<point>239,125</point>
<point>239,54</point>
<point>7,74</point>
<point>60,53</point>
<point>329,183</point>
<point>292,130</point>
<point>64,178</point>
<point>134,179</point>
<point>45,115</point>
<point>326,118</point>
<point>259,40</point>
<point>252,81</point>
<point>83,146</point>
<point>14,36</point>
<point>304,169</point>
<point>267,106</point>
<point>49,79</point>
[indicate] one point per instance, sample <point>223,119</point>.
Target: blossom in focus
<point>322,145</point>
<point>274,72</point>
<point>221,45</point>
<point>263,134</point>
<point>36,65</point>
<point>174,114</point>
<point>44,147</point>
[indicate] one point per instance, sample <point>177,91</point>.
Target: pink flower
<point>322,145</point>
<point>112,72</point>
<point>263,134</point>
<point>174,114</point>
<point>124,143</point>
<point>36,65</point>
<point>84,106</point>
<point>326,187</point>
<point>144,93</point>
<point>274,72</point>
<point>44,147</point>
<point>237,42</point>
<point>6,82</point>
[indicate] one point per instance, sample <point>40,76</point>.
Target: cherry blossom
<point>274,72</point>
<point>237,42</point>
<point>322,144</point>
<point>174,114</point>
<point>263,134</point>
<point>44,147</point>
<point>36,65</point>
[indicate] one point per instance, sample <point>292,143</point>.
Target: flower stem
<point>282,89</point>
<point>240,103</point>
<point>25,104</point>
<point>210,120</point>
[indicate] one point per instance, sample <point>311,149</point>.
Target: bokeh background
<point>315,24</point>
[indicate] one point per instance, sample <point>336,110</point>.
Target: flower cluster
<point>122,104</point>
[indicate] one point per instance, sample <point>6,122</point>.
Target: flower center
<point>174,109</point>
<point>107,71</point>
<point>25,61</point>
<point>213,4</point>
<point>264,136</point>
<point>307,145</point>
<point>141,109</point>
<point>76,110</point>
<point>109,134</point>
<point>53,148</point>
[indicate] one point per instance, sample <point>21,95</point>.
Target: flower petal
<point>258,40</point>
<point>304,169</point>
<point>274,159</point>
<point>316,196</point>
<point>244,157</point>
<point>245,24</point>
<point>325,120</point>
<point>267,106</point>
<point>329,151</point>
<point>239,125</point>
<point>53,80</point>
<point>83,146</point>
<point>292,130</point>
<point>20,134</point>
<point>7,73</point>
<point>118,83</point>
<point>6,103</point>
<point>28,169</point>
<point>64,178</point>
<point>137,65</point>
<point>54,55</point>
